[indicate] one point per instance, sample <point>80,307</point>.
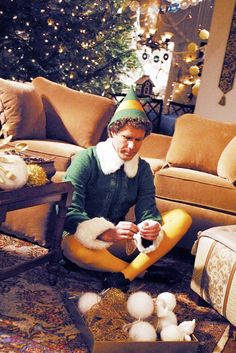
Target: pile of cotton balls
<point>140,305</point>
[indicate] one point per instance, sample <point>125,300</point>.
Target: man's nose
<point>131,144</point>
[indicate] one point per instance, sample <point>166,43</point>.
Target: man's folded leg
<point>96,260</point>
<point>175,224</point>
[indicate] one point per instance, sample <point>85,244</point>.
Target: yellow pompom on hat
<point>130,107</point>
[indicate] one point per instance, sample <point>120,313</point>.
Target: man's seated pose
<point>109,179</point>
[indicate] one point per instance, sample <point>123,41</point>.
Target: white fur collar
<point>111,162</point>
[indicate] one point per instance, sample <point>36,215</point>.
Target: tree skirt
<point>33,318</point>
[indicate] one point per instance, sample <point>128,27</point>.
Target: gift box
<point>97,346</point>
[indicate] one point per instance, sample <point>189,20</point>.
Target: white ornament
<point>142,331</point>
<point>166,300</point>
<point>140,305</point>
<point>167,320</point>
<point>187,327</point>
<point>171,333</point>
<point>87,300</point>
<point>13,172</point>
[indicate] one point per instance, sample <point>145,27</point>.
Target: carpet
<point>33,318</point>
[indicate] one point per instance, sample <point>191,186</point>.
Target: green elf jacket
<point>105,188</point>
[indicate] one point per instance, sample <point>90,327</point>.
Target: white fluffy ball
<point>87,300</point>
<point>140,305</point>
<point>167,299</point>
<point>142,331</point>
<point>171,333</point>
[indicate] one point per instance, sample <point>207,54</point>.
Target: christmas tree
<point>83,44</point>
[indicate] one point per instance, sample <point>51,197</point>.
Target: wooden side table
<point>58,193</point>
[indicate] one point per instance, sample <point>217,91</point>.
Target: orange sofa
<point>195,169</point>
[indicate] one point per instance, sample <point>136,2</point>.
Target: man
<point>109,179</point>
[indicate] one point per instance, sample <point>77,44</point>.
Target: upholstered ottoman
<point>214,274</point>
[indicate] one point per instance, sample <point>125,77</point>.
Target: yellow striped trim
<point>130,104</point>
<point>229,282</point>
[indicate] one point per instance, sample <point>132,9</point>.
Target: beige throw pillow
<point>73,116</point>
<point>198,142</point>
<point>22,110</point>
<point>227,163</point>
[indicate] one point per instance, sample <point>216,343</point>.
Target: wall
<point>209,93</point>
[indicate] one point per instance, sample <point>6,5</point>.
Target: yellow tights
<point>175,224</point>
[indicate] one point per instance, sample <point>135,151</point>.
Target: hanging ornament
<point>166,56</point>
<point>173,8</point>
<point>192,47</point>
<point>188,57</point>
<point>184,5</point>
<point>204,34</point>
<point>194,70</point>
<point>145,55</point>
<point>194,2</point>
<point>195,89</point>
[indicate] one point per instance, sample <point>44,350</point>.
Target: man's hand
<point>123,230</point>
<point>149,229</point>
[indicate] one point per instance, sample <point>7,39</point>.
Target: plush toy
<point>13,172</point>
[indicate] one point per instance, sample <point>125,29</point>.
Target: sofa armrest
<point>155,146</point>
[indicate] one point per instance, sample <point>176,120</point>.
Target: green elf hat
<point>130,107</point>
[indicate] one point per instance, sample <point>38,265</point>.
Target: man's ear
<point>111,133</point>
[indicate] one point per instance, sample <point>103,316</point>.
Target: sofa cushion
<point>60,152</point>
<point>155,146</point>
<point>73,116</point>
<point>198,143</point>
<point>196,188</point>
<point>226,167</point>
<point>22,110</point>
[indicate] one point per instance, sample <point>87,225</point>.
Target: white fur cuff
<point>138,239</point>
<point>88,231</point>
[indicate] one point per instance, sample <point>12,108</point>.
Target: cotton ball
<point>167,299</point>
<point>87,300</point>
<point>142,331</point>
<point>140,305</point>
<point>171,333</point>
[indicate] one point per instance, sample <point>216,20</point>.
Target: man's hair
<point>137,123</point>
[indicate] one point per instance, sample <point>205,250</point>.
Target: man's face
<point>127,141</point>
